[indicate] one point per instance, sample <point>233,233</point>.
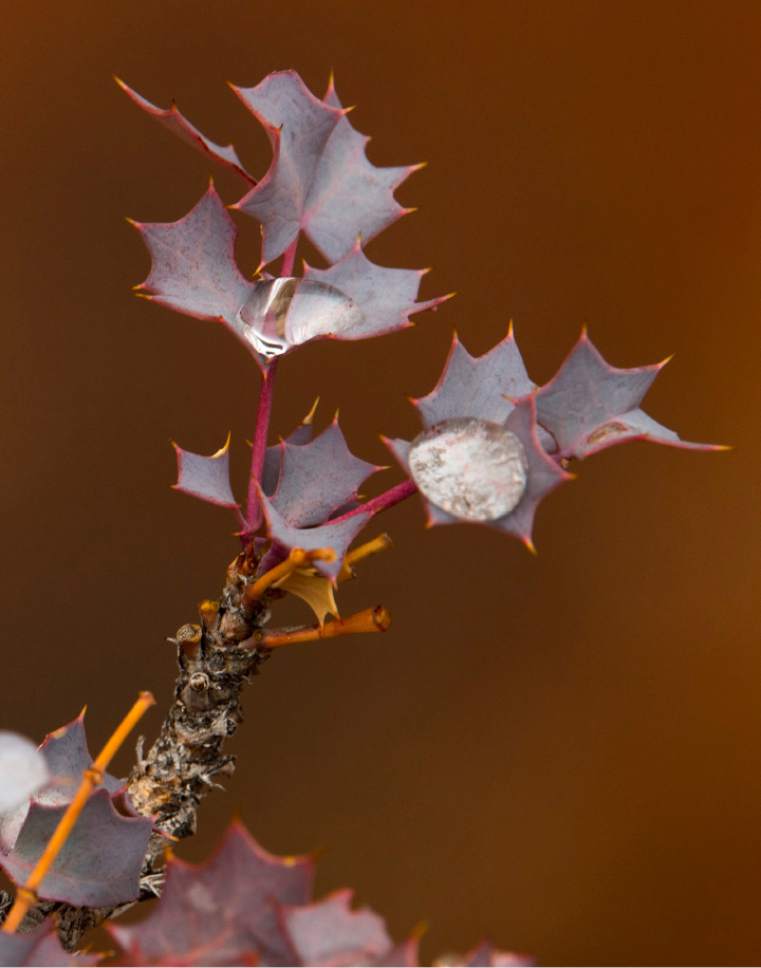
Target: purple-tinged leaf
<point>193,263</point>
<point>404,955</point>
<point>590,405</point>
<point>338,536</point>
<point>298,125</point>
<point>542,475</point>
<point>274,455</point>
<point>99,865</point>
<point>66,756</point>
<point>477,386</point>
<point>23,771</point>
<point>485,955</point>
<point>328,932</point>
<point>320,180</point>
<point>207,478</point>
<point>38,949</point>
<point>179,125</point>
<point>318,478</point>
<point>222,911</point>
<point>385,297</point>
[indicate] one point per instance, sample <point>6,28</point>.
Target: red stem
<point>259,447</point>
<point>395,494</point>
<point>289,257</point>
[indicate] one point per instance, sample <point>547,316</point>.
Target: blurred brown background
<point>563,754</point>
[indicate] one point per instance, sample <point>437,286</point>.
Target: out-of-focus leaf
<point>40,948</point>
<point>386,298</point>
<point>320,180</point>
<point>486,955</point>
<point>179,125</point>
<point>193,266</point>
<point>590,405</point>
<point>66,755</point>
<point>318,477</point>
<point>477,386</point>
<point>223,911</point>
<point>23,770</point>
<point>99,865</point>
<point>207,478</point>
<point>328,932</point>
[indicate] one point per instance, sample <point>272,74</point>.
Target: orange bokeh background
<point>562,754</point>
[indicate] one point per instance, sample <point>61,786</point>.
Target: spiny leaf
<point>385,297</point>
<point>328,932</point>
<point>316,590</point>
<point>207,478</point>
<point>39,948</point>
<point>66,755</point>
<point>23,771</point>
<point>485,955</point>
<point>590,405</point>
<point>477,386</point>
<point>179,125</point>
<point>193,263</point>
<point>471,481</point>
<point>100,863</point>
<point>222,911</point>
<point>303,433</point>
<point>320,180</point>
<point>336,535</point>
<point>318,477</point>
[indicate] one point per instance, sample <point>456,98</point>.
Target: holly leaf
<point>100,863</point>
<point>193,266</point>
<point>223,911</point>
<point>38,948</point>
<point>328,932</point>
<point>207,478</point>
<point>320,181</point>
<point>477,386</point>
<point>66,756</point>
<point>303,433</point>
<point>590,405</point>
<point>385,297</point>
<point>318,477</point>
<point>178,124</point>
<point>23,771</point>
<point>337,535</point>
<point>483,468</point>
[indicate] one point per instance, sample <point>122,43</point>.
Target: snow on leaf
<point>99,865</point>
<point>328,932</point>
<point>336,535</point>
<point>193,263</point>
<point>39,948</point>
<point>542,474</point>
<point>179,125</point>
<point>23,770</point>
<point>66,756</point>
<point>207,478</point>
<point>316,590</point>
<point>590,405</point>
<point>477,386</point>
<point>222,911</point>
<point>318,477</point>
<point>385,297</point>
<point>320,180</point>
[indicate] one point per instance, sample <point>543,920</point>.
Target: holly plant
<point>81,845</point>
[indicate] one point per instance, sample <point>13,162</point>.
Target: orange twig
<point>26,895</point>
<point>372,547</point>
<point>295,559</point>
<point>375,619</point>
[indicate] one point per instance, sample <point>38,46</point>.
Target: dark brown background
<point>564,753</point>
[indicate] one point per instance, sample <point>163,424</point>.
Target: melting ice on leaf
<point>590,405</point>
<point>23,771</point>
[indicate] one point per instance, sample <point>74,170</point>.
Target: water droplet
<point>282,313</point>
<point>473,469</point>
